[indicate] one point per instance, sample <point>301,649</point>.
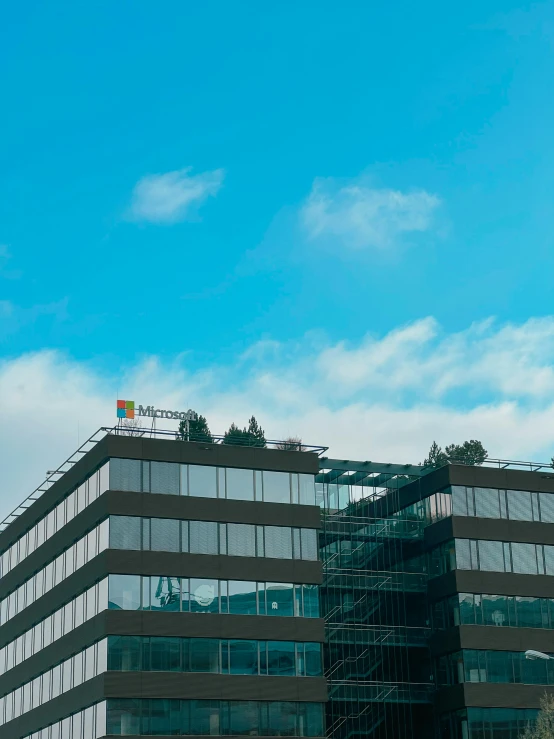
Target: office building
<point>160,587</point>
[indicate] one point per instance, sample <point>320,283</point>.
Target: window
<point>276,487</point>
<point>202,481</point>
<point>241,540</point>
<point>240,484</point>
<point>519,505</point>
<point>203,537</point>
<point>204,595</point>
<point>125,474</point>
<point>241,598</point>
<point>124,592</point>
<point>164,534</point>
<point>486,503</point>
<point>278,599</point>
<point>524,558</point>
<point>164,478</point>
<point>278,542</point>
<point>243,657</point>
<point>125,532</point>
<point>491,556</point>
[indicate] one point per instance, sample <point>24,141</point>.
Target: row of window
<point>167,717</point>
<point>53,627</point>
<point>221,656</point>
<point>133,653</point>
<point>87,724</point>
<point>494,610</point>
<point>206,595</point>
<point>516,505</point>
<point>66,510</point>
<point>492,556</point>
<point>136,592</point>
<point>68,562</point>
<point>209,537</point>
<point>69,674</point>
<point>165,478</point>
<point>487,723</point>
<point>162,717</point>
<point>211,482</point>
<point>486,666</point>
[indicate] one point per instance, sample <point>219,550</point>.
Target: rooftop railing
<point>53,476</point>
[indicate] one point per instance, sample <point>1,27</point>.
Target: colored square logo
<point>126,409</point>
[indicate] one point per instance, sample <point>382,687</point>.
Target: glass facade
<point>63,513</point>
<point>69,674</point>
<point>493,610</point>
<point>213,717</point>
<point>169,478</point>
<point>492,556</point>
<point>208,537</point>
<point>87,724</point>
<point>487,666</point>
<point>487,723</point>
<point>53,627</point>
<point>457,500</point>
<point>222,656</point>
<point>205,595</point>
<point>68,562</point>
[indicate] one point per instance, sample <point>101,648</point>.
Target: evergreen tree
<point>256,432</point>
<point>251,436</point>
<point>470,452</point>
<point>544,727</point>
<point>197,430</point>
<point>436,458</point>
<point>235,435</point>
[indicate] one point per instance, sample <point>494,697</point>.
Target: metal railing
<point>380,692</point>
<point>151,433</point>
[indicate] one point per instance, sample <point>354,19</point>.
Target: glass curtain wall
<point>376,657</point>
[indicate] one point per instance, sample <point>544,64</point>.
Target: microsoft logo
<point>125,408</point>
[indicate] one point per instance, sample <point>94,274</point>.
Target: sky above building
<point>336,216</point>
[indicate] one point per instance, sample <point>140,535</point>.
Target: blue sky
<point>215,196</point>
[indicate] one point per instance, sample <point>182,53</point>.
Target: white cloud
<point>361,216</point>
<point>172,196</point>
<point>384,399</point>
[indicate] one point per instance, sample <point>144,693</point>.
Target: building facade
<point>436,584</point>
<point>162,587</point>
<point>165,588</point>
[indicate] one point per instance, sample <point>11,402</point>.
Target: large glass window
<point>46,527</point>
<point>125,532</point>
<point>492,556</point>
<point>487,666</point>
<point>202,481</point>
<point>124,592</point>
<point>277,487</point>
<point>84,550</point>
<point>240,484</point>
<point>204,595</point>
<point>213,717</point>
<point>210,537</point>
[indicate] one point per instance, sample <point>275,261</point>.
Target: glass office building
<point>165,588</point>
<point>168,588</point>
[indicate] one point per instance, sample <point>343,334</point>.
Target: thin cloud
<point>173,196</point>
<point>390,411</point>
<point>359,216</point>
